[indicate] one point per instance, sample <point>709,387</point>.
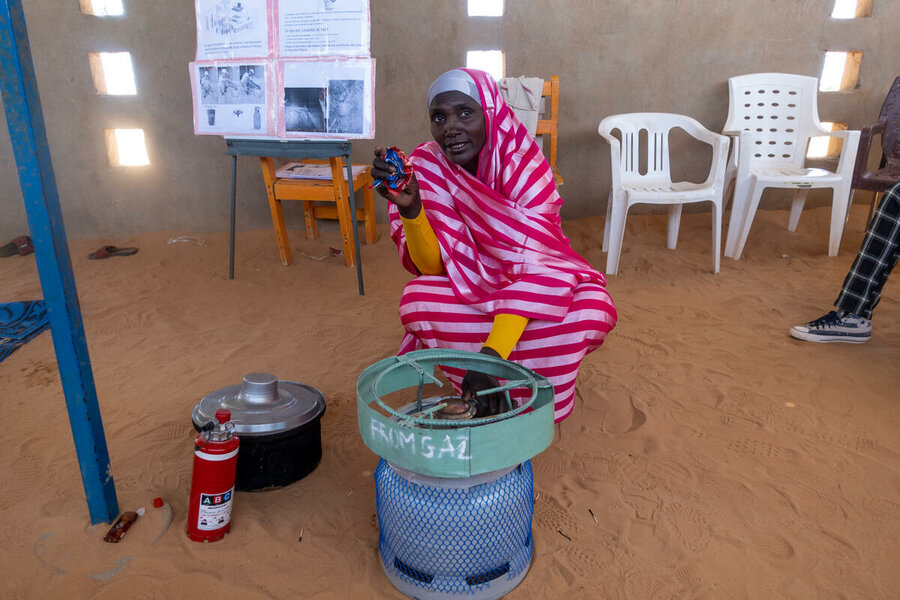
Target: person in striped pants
<point>861,292</point>
<point>478,226</point>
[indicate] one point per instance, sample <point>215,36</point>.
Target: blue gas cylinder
<point>455,537</point>
<point>454,492</point>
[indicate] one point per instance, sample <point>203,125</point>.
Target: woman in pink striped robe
<point>489,196</point>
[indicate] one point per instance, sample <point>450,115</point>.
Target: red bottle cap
<point>223,415</point>
<point>157,502</point>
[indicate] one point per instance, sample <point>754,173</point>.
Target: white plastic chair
<point>771,117</point>
<point>630,186</point>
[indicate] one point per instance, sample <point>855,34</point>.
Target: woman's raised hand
<point>407,199</point>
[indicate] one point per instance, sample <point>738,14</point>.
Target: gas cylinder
<point>212,482</point>
<point>454,493</point>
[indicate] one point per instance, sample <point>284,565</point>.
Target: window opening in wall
<point>492,61</point>
<point>113,73</point>
<point>126,147</point>
<point>102,8</point>
<point>486,8</point>
<point>851,9</point>
<point>840,71</point>
<point>826,146</point>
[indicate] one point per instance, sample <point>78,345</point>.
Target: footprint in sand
<point>51,505</point>
<point>634,472</point>
<point>690,526</point>
<point>116,322</point>
<point>668,587</point>
<point>881,509</point>
<point>694,433</point>
<point>552,464</point>
<point>754,448</point>
<point>742,409</point>
<point>733,495</point>
<point>836,547</point>
<point>549,514</point>
<point>624,420</point>
<point>39,373</point>
<point>637,485</point>
<point>28,475</point>
<point>772,546</point>
<point>586,562</point>
<point>657,349</point>
<point>830,435</point>
<point>646,507</point>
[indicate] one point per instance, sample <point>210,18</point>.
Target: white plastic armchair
<point>771,117</point>
<point>630,186</point>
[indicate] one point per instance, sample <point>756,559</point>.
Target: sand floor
<point>719,457</point>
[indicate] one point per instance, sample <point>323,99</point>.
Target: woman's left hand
<point>476,381</point>
<point>407,200</point>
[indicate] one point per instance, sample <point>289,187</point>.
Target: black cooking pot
<point>278,423</point>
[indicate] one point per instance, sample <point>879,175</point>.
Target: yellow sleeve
<point>422,244</point>
<point>505,333</point>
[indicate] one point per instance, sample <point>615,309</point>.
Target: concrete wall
<point>612,56</point>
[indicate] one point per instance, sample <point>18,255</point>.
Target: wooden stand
<point>310,191</point>
<point>338,190</point>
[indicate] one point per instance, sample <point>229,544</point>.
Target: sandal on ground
<point>21,246</point>
<point>107,251</point>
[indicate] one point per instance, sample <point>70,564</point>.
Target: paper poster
<point>234,29</point>
<point>327,98</point>
<point>233,98</point>
<point>308,28</point>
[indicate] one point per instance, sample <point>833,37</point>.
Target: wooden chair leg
<point>284,247</point>
<point>309,218</point>
<point>342,202</point>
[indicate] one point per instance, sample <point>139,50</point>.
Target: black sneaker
<point>835,327</point>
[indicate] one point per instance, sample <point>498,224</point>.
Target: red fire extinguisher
<point>212,483</point>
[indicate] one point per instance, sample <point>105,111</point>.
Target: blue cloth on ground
<point>19,323</point>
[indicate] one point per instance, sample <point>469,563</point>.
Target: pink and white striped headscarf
<point>499,231</point>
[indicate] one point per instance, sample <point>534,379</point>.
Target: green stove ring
<point>444,448</point>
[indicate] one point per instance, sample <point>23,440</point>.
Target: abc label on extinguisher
<point>215,510</point>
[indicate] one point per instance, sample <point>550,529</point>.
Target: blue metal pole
<point>29,141</point>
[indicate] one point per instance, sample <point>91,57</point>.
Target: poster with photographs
<point>286,68</point>
<point>233,98</point>
<point>308,28</point>
<point>326,98</point>
<point>234,29</point>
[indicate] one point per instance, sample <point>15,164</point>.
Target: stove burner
<point>456,409</point>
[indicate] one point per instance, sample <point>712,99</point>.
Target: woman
<point>479,226</point>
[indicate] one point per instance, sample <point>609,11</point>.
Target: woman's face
<point>457,125</point>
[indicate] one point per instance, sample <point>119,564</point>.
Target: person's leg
<point>555,350</point>
<point>878,255</point>
<point>434,318</point>
<point>862,287</point>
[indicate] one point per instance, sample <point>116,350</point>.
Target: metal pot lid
<point>263,404</point>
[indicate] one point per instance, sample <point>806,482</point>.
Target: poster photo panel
<point>235,29</point>
<point>322,28</point>
<point>326,98</point>
<point>233,97</point>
